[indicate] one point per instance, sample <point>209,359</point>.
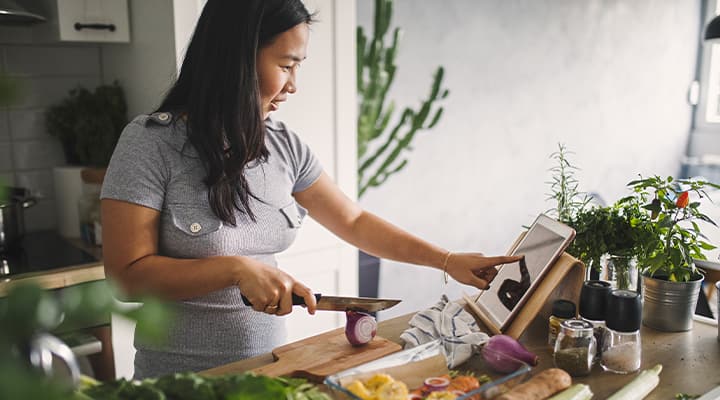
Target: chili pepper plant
<point>675,223</point>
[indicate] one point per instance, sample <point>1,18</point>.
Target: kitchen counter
<point>36,262</point>
<point>82,263</point>
<point>691,360</point>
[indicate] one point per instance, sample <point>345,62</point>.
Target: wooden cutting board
<point>317,357</point>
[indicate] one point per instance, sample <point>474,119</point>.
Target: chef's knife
<point>337,303</point>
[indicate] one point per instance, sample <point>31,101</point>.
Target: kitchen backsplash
<point>28,153</point>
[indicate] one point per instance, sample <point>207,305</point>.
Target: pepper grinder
<point>622,348</point>
<point>593,302</point>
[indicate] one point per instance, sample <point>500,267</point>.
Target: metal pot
<point>670,306</point>
<point>12,222</point>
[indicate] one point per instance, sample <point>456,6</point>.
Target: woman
<point>201,194</point>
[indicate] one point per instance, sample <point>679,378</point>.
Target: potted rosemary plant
<point>607,238</point>
<point>670,279</point>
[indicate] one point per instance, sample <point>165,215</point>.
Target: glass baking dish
<point>413,366</point>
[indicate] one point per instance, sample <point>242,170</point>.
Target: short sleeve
<point>307,166</point>
<point>137,172</point>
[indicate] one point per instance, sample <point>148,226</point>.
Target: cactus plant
<point>375,73</point>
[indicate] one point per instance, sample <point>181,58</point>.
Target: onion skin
<point>360,328</point>
<point>502,353</point>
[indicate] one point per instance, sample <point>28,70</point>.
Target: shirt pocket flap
<point>294,214</point>
<point>195,221</point>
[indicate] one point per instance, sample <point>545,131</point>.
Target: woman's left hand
<point>475,269</point>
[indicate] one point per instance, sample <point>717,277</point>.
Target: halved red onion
<point>360,328</point>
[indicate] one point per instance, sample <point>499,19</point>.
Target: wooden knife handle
<point>296,300</point>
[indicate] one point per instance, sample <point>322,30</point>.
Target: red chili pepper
<point>683,200</point>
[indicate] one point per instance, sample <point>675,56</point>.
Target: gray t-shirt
<point>155,166</point>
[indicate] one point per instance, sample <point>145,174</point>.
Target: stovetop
<point>42,251</point>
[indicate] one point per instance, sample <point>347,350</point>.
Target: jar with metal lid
<point>575,347</point>
<point>562,310</point>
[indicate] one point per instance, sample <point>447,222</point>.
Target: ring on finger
<point>271,308</point>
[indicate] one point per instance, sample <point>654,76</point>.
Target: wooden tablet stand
<point>563,280</point>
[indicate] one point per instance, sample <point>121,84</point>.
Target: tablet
<point>542,245</point>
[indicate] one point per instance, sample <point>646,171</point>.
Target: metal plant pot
<point>670,306</point>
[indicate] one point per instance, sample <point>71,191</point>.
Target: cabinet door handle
<point>79,26</point>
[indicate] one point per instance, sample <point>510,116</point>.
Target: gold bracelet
<point>444,266</point>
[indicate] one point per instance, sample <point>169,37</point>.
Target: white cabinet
<point>93,20</point>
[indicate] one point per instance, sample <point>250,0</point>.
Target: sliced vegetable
<point>502,353</point>
<point>641,386</point>
<point>540,386</point>
<point>358,389</point>
<point>578,391</point>
<point>394,390</point>
<point>464,383</point>
<point>360,328</point>
<point>436,383</point>
<point>441,395</point>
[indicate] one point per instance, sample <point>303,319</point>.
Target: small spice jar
<point>622,348</point>
<point>561,310</point>
<point>593,302</point>
<point>575,347</point>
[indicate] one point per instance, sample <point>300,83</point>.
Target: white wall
<point>608,78</point>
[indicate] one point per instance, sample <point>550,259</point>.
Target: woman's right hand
<point>269,289</point>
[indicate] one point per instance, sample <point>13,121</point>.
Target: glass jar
<point>562,310</point>
<point>622,349</point>
<point>620,271</point>
<point>575,347</point>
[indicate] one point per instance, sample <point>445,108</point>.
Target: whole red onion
<point>502,353</point>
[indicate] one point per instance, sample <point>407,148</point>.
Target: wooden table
<point>691,360</point>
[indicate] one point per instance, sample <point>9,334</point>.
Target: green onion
<point>578,391</point>
<point>639,387</point>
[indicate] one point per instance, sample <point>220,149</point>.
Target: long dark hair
<point>219,93</point>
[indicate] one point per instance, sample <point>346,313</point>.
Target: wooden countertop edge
<point>57,278</point>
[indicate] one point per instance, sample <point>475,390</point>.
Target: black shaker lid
<point>593,300</point>
<point>624,311</point>
<point>563,309</point>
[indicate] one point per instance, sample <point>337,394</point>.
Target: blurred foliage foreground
<point>28,311</point>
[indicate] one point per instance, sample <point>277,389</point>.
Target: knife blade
<point>339,303</point>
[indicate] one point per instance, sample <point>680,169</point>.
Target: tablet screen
<point>514,282</point>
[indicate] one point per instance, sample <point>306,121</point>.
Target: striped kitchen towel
<point>449,322</point>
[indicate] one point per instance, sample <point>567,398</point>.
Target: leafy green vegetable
<point>190,385</point>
